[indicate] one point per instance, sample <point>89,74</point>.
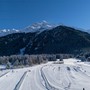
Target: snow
<point>3,72</point>
<point>22,51</point>
<point>5,32</point>
<point>2,66</point>
<point>36,27</point>
<point>72,75</point>
<point>9,80</point>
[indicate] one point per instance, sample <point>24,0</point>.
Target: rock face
<point>61,39</point>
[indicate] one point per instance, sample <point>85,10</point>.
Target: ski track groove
<point>4,74</point>
<point>47,84</point>
<point>20,81</point>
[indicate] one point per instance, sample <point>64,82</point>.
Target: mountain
<point>61,39</point>
<point>39,27</point>
<point>12,43</point>
<point>36,27</point>
<point>88,31</point>
<point>5,32</point>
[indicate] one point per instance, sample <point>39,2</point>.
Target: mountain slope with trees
<point>61,39</point>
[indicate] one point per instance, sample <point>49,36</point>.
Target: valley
<point>72,75</point>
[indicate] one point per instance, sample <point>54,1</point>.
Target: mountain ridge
<point>61,39</point>
<point>36,27</point>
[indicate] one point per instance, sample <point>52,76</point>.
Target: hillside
<point>61,39</point>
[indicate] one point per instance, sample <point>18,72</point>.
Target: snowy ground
<point>71,75</point>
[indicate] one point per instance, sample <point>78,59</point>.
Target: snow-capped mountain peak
<point>36,27</point>
<point>4,32</point>
<point>41,26</point>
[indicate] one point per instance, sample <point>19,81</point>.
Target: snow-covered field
<point>71,75</point>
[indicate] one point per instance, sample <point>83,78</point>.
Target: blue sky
<point>21,13</point>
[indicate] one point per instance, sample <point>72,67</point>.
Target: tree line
<point>29,60</point>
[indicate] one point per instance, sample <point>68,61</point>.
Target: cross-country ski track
<point>71,75</point>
